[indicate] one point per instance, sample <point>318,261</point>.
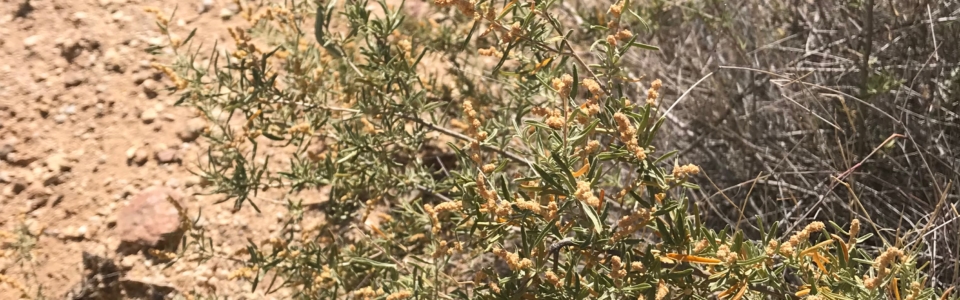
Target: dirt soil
<point>80,110</point>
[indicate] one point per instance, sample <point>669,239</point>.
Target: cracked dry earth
<point>88,134</point>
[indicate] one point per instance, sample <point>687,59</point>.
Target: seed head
<point>584,194</point>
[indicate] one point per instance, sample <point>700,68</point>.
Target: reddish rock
<point>167,156</point>
<point>151,217</point>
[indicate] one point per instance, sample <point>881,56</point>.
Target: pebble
<point>167,156</point>
<point>73,232</point>
<point>14,189</point>
<point>192,129</point>
<point>69,109</point>
<point>148,116</point>
<point>7,147</point>
<point>60,118</point>
<point>195,180</point>
<point>226,13</point>
<point>74,80</point>
<point>128,262</point>
<point>204,6</point>
<point>58,163</point>
<point>151,217</point>
<point>31,40</point>
<point>34,228</point>
<point>140,157</point>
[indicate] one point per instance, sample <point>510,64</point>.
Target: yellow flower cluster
<point>915,289</point>
<point>654,92</point>
<point>562,85</point>
<point>628,135</point>
<point>771,248</point>
<point>400,295</point>
<point>161,18</point>
<point>724,254</point>
<point>367,293</point>
<point>466,7</point>
<point>552,209</point>
<point>627,225</point>
<point>445,248</point>
<point>584,194</point>
<point>244,273</point>
<point>434,212</point>
<point>514,34</point>
<point>243,41</point>
<point>513,260</point>
<point>553,279</point>
<point>700,246</point>
<point>492,52</point>
<point>682,172</point>
<point>487,168</point>
<point>637,267</point>
<point>617,270</point>
<point>325,279</point>
<point>662,291</point>
<point>592,106</point>
<point>854,231</point>
<point>528,205</point>
<point>555,121</point>
<point>593,87</point>
<point>880,264</point>
<point>612,40</point>
<point>592,147</point>
<point>616,9</point>
<point>473,119</point>
<point>178,82</point>
<point>789,248</point>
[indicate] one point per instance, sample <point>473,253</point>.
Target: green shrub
<point>521,167</point>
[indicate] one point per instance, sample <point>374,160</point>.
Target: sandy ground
<point>78,98</point>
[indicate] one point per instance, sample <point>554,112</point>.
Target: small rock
<point>74,233</point>
<point>113,62</point>
<point>128,262</point>
<point>172,183</point>
<point>226,13</point>
<point>69,109</point>
<point>167,156</point>
<point>31,41</point>
<point>195,180</point>
<point>78,17</point>
<point>34,228</point>
<point>132,151</point>
<point>150,88</point>
<point>52,178</point>
<point>59,162</point>
<point>204,6</point>
<point>60,118</point>
<point>192,129</point>
<point>151,217</point>
<point>5,177</point>
<point>6,147</point>
<point>140,157</point>
<point>148,116</point>
<point>14,189</point>
<point>35,204</point>
<point>74,80</point>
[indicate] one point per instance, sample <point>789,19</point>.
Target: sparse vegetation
<point>506,153</point>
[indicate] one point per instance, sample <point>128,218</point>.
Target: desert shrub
<point>488,155</point>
